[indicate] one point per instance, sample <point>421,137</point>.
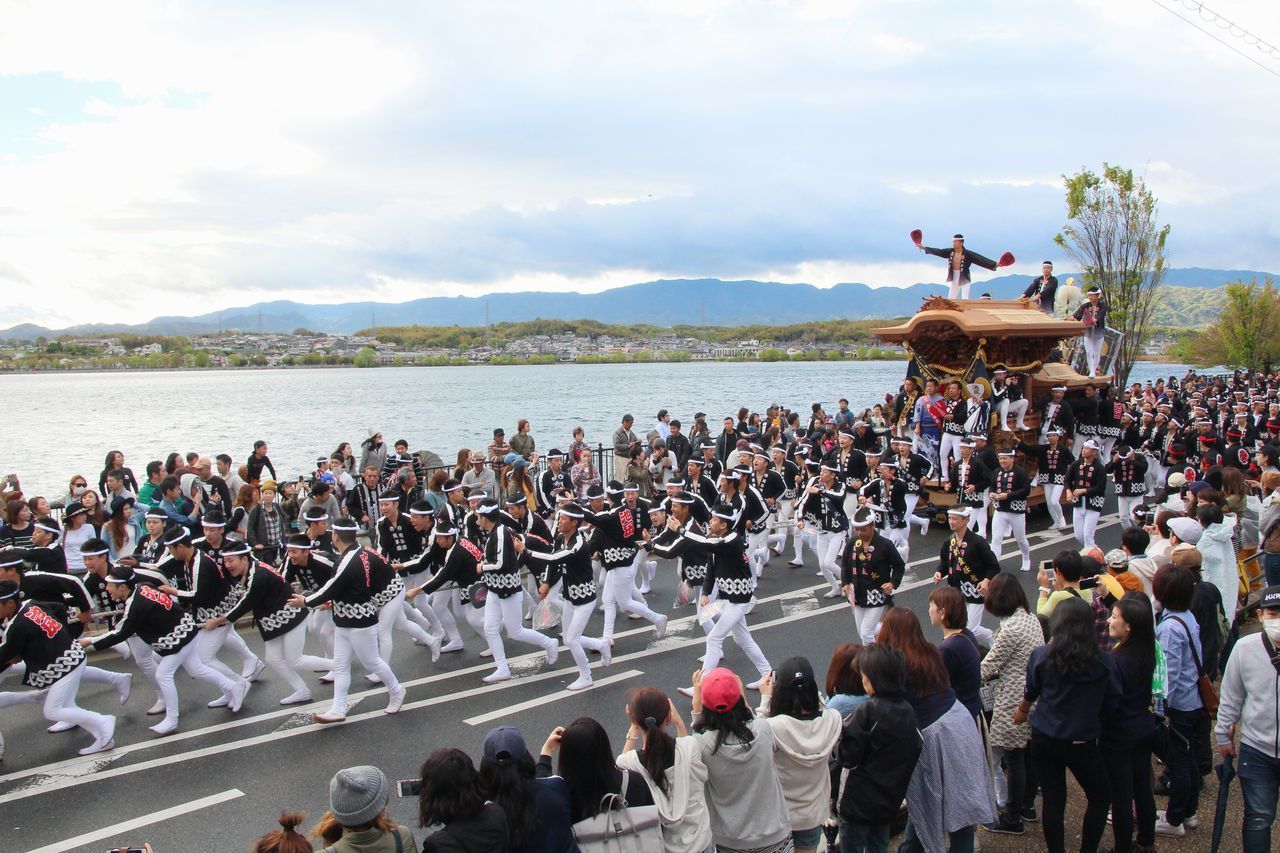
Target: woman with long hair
<point>94,511</point>
<point>115,462</point>
<point>461,465</point>
<point>589,770</point>
<point>940,811</point>
<point>120,533</point>
<point>1006,665</point>
<point>538,813</point>
<point>348,458</point>
<point>672,767</point>
<point>1129,731</point>
<point>76,488</point>
<point>1070,682</point>
<point>804,734</point>
<point>451,796</point>
<point>246,500</point>
<point>747,804</point>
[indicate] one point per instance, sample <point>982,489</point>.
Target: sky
<point>161,158</point>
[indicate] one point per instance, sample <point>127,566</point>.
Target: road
<point>220,781</point>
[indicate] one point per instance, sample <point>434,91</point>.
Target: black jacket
<point>484,832</point>
<point>880,745</point>
<point>970,258</point>
<point>1048,290</point>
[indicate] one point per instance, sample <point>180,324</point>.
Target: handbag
<point>624,829</point>
<point>986,689</point>
<point>1208,693</point>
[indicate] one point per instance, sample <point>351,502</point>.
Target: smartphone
<point>409,787</point>
<point>1046,566</point>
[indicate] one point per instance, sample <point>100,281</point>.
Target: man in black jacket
<point>1043,289</point>
<point>959,262</point>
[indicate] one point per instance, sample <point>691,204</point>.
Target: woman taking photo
<point>537,810</point>
<point>672,768</point>
<point>589,770</point>
<point>1006,665</point>
<point>1129,731</point>
<point>949,792</point>
<point>1072,685</point>
<point>748,807</point>
<point>804,735</point>
<point>638,471</point>
<point>452,797</point>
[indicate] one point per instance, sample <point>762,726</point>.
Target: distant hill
<point>1190,302</point>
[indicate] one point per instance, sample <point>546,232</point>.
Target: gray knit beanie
<point>358,794</point>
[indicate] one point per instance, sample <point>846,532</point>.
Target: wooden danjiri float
<point>966,339</point>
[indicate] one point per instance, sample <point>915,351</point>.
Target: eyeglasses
<point>81,485</point>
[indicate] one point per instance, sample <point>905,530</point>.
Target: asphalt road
<point>220,781</point>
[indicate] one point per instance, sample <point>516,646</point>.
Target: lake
<point>62,424</point>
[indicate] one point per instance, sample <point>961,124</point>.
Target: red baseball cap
<point>721,689</point>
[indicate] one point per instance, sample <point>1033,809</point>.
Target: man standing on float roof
<point>960,260</point>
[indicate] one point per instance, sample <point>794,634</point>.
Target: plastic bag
<point>545,615</point>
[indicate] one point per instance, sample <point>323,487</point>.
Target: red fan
<point>1006,260</point>
<point>938,409</point>
<point>917,236</point>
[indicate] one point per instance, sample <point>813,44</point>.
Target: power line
<point>1239,32</point>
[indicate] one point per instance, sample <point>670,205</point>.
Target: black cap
<point>1270,597</point>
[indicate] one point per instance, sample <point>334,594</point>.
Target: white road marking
<point>87,773</point>
<point>139,822</point>
<point>542,700</point>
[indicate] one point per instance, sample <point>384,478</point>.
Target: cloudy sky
<point>173,158</point>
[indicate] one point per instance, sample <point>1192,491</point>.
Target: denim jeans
<point>863,837</point>
<point>1271,566</point>
<point>1259,783</point>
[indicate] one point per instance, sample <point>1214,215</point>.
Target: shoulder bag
<point>620,828</point>
<point>1208,693</point>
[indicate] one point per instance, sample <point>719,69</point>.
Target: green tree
<point>1247,332</point>
<point>1112,233</point>
<point>201,359</point>
<point>366,357</point>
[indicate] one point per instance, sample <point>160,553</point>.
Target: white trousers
<point>913,500</point>
<point>146,660</point>
<point>758,550</point>
<point>285,656</point>
<point>1018,407</point>
<point>1126,506</point>
<point>898,536</point>
<point>1107,443</point>
<point>210,640</point>
<point>867,621</point>
<point>620,593</point>
<point>781,523</point>
<point>958,289</point>
<point>447,605</point>
<point>573,621</point>
<point>982,634</point>
<point>60,705</point>
<point>733,621</point>
<point>978,515</point>
<point>422,604</point>
<point>1084,522</point>
<point>1015,523</point>
<point>828,550</point>
<point>949,446</point>
<point>508,612</point>
<point>1052,501</point>
<point>320,624</point>
<point>189,659</point>
<point>391,618</point>
<point>1093,350</point>
<point>363,644</point>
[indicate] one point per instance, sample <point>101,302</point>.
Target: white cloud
<point>403,150</point>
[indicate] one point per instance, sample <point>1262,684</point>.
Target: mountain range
<point>1192,297</point>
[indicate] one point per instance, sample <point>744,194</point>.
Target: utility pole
<point>486,322</point>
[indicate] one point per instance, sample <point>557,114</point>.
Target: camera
<point>1046,566</point>
<point>409,787</point>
